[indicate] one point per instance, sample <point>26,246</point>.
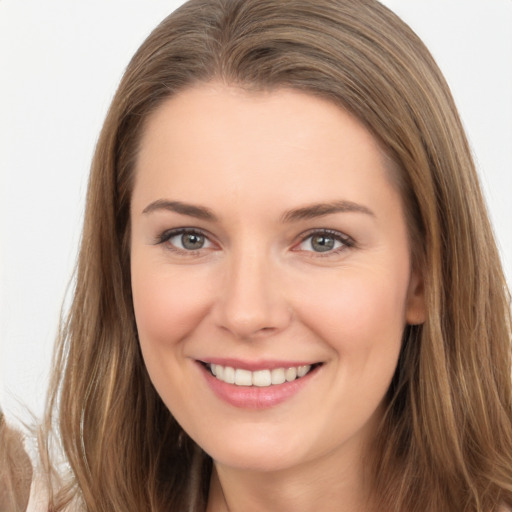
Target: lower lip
<point>253,397</point>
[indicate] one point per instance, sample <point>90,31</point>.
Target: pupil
<point>192,241</point>
<point>322,243</point>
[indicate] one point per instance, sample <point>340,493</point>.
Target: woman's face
<point>267,242</point>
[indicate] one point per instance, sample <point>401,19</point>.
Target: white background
<point>60,62</point>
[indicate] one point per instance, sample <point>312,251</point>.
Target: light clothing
<point>38,500</point>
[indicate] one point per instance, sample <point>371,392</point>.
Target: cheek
<point>357,313</point>
<point>168,305</point>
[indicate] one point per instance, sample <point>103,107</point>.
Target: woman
<point>288,293</point>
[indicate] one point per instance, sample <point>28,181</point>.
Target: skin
<point>259,289</point>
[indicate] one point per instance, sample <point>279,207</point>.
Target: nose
<point>252,303</point>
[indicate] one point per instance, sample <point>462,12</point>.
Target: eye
<point>325,241</point>
<point>185,240</point>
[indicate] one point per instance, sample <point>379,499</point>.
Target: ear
<point>415,310</point>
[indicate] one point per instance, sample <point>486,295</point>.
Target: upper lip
<point>262,364</point>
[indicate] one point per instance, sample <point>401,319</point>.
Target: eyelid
<point>167,234</point>
<point>347,241</point>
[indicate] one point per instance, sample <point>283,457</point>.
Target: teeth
<point>243,377</point>
<point>291,374</point>
<point>229,375</point>
<point>277,376</point>
<point>259,378</point>
<point>302,370</point>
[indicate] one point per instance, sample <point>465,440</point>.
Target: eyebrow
<point>320,209</point>
<point>199,212</point>
<point>304,213</point>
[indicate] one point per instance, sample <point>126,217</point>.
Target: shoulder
<point>39,499</point>
<point>15,468</point>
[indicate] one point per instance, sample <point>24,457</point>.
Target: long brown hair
<point>445,443</point>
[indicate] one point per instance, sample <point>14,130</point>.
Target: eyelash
<point>345,241</point>
<point>167,235</point>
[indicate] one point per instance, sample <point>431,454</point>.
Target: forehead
<point>214,138</point>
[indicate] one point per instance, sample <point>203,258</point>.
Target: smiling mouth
<point>259,378</point>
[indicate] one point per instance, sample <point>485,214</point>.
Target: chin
<point>259,461</point>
